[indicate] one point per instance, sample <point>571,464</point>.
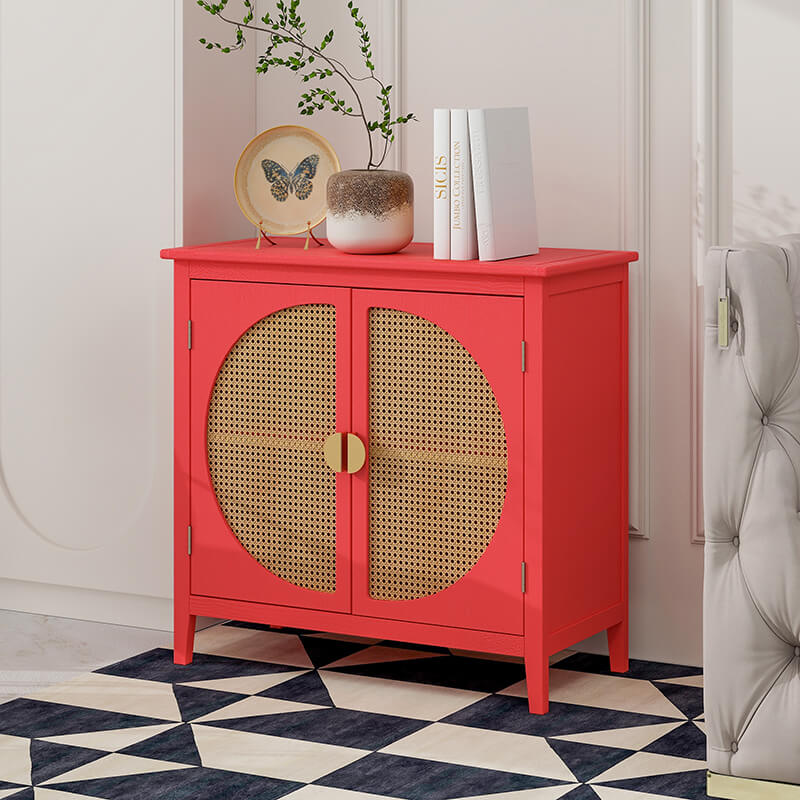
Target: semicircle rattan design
<point>273,404</point>
<point>438,463</point>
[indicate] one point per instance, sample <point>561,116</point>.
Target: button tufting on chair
<point>751,483</point>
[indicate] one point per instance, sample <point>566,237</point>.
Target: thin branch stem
<point>335,66</point>
<point>292,34</point>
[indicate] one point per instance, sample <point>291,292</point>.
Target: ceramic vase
<point>370,211</point>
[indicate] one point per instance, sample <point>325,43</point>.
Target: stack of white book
<point>483,200</point>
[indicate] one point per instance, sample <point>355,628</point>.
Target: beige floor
<point>37,651</point>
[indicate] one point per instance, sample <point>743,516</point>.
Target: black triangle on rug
<point>586,761</point>
<point>177,744</point>
<point>49,759</point>
<point>306,688</point>
<point>323,651</point>
<point>195,702</point>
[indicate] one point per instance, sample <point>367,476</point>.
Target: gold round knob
<point>333,450</point>
<point>344,452</point>
<point>356,453</point>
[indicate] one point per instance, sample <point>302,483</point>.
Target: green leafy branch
<point>288,47</point>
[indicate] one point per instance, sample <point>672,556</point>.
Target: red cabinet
<point>399,447</point>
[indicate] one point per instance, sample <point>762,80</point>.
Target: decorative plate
<point>280,179</point>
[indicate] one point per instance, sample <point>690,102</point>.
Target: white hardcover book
<point>502,173</point>
<point>441,183</point>
<point>463,236</point>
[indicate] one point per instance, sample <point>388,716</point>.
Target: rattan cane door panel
<point>272,407</point>
<point>438,398</point>
<point>270,382</point>
<point>437,456</point>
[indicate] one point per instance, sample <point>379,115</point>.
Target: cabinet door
<point>270,381</point>
<point>437,510</point>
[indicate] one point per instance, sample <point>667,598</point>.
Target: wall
<point>765,118</point>
<point>666,570</point>
<point>112,155</point>
<point>87,190</point>
<point>609,87</point>
<point>93,156</point>
<point>217,119</point>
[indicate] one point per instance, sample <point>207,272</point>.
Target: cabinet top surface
<point>417,257</point>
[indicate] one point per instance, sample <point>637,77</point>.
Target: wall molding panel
<point>85,309</point>
<point>713,217</point>
<point>390,67</point>
<point>635,235</point>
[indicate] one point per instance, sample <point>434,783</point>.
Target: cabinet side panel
<point>584,385</point>
<point>183,624</point>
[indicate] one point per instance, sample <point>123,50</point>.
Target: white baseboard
<point>598,645</point>
<point>137,611</point>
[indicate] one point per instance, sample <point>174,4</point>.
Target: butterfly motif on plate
<point>299,181</point>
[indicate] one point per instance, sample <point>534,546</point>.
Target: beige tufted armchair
<point>751,475</point>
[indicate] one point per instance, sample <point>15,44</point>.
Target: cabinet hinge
<point>189,539</point>
<point>523,577</point>
<point>189,335</point>
<point>523,355</point>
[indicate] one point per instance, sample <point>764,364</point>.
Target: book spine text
<point>463,236</point>
<point>441,183</point>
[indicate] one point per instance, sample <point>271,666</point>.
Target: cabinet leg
<point>184,637</point>
<point>618,646</point>
<point>537,676</point>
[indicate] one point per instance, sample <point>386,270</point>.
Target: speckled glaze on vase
<point>370,211</point>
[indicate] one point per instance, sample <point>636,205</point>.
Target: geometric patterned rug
<point>265,714</point>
